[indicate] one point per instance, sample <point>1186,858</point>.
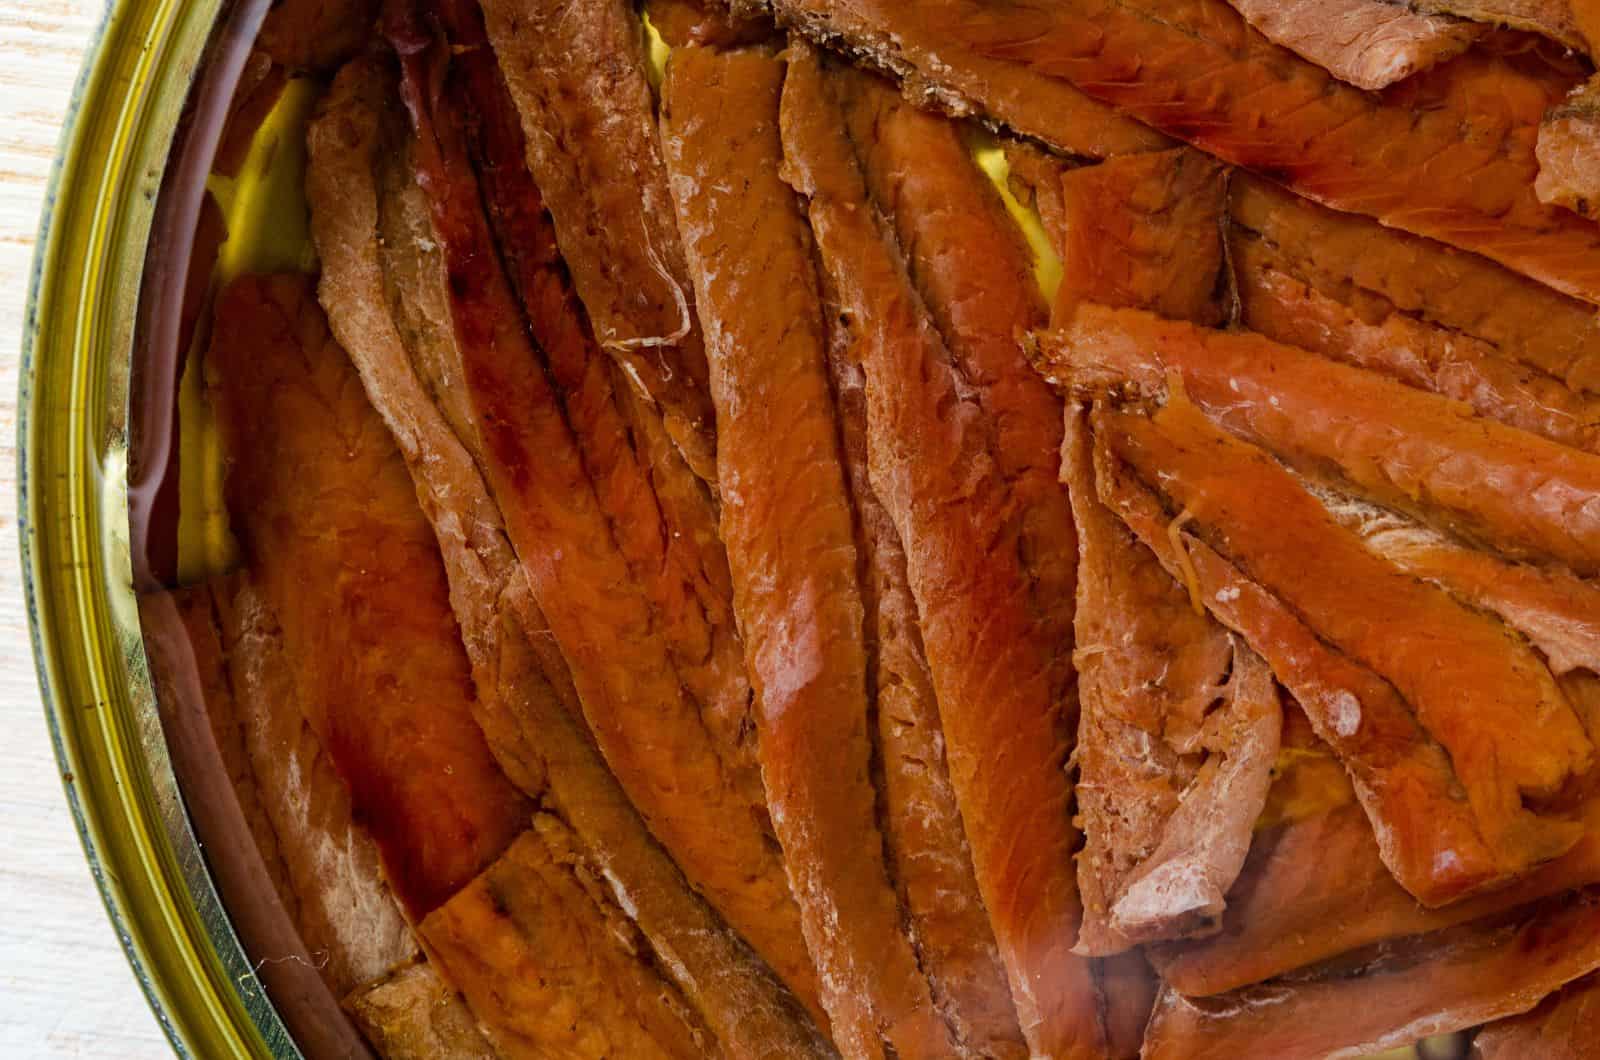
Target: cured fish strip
<point>788,524</point>
<point>1287,310</point>
<point>1161,713</point>
<point>931,463</point>
<point>940,70</point>
<point>413,1014</point>
<point>576,73</point>
<point>1562,1028</point>
<point>684,22</point>
<point>1558,613</point>
<point>528,706</point>
<point>1426,832</point>
<point>968,262</point>
<point>1430,985</point>
<point>659,511</point>
<point>1175,753</point>
<point>1368,43</point>
<point>1351,257</point>
<point>926,840</point>
<point>552,965</point>
<point>1287,911</point>
<point>318,493</point>
<point>234,817</point>
<point>1569,152</point>
<point>646,720</point>
<point>347,914</point>
<point>1557,19</point>
<point>1416,452</point>
<point>1458,163</point>
<point>1248,508</point>
<point>1145,232</point>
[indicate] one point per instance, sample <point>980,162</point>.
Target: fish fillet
<point>576,73</point>
<point>788,524</point>
<point>1178,735</point>
<point>1416,452</point>
<point>1569,152</point>
<point>1145,232</point>
<point>1369,43</point>
<point>1289,912</point>
<point>1510,732</point>
<point>940,70</point>
<point>318,494</point>
<point>1458,160</point>
<point>931,463</point>
<point>1284,308</point>
<point>553,966</point>
<point>413,1014</point>
<point>1562,1028</point>
<point>529,708</point>
<point>1434,984</point>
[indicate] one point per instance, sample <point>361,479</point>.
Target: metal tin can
<point>150,59</point>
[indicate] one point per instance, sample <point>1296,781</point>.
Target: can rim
<point>135,48</point>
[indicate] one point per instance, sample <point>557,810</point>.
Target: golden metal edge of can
<point>72,527</point>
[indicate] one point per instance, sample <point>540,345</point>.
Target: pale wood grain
<point>65,989</point>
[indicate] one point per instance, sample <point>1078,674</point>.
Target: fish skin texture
<point>938,71</point>
<point>413,1014</point>
<point>553,966</point>
<point>1352,257</point>
<point>1145,232</point>
<point>1368,43</point>
<point>1432,984</point>
<point>318,491</point>
<point>1457,142</point>
<point>787,521</point>
<point>530,709</point>
<point>576,72</point>
<point>1005,741</point>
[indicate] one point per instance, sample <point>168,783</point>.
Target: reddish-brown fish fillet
<point>1178,737</point>
<point>927,842</point>
<point>788,524</point>
<point>1369,43</point>
<point>660,512</point>
<point>1145,232</point>
<point>1560,20</point>
<point>1557,612</point>
<point>1288,911</point>
<point>1433,843</point>
<point>684,22</point>
<point>940,70</point>
<point>1564,1027</point>
<point>930,452</point>
<point>1420,453</point>
<point>1457,161</point>
<point>552,966</point>
<point>529,709</point>
<point>1351,258</point>
<point>1430,985</point>
<point>968,262</point>
<point>1569,152</point>
<point>576,72</point>
<point>645,721</point>
<point>1508,727</point>
<point>1281,306</point>
<point>319,495</point>
<point>413,1014</point>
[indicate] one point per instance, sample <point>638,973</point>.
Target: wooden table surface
<point>65,989</point>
